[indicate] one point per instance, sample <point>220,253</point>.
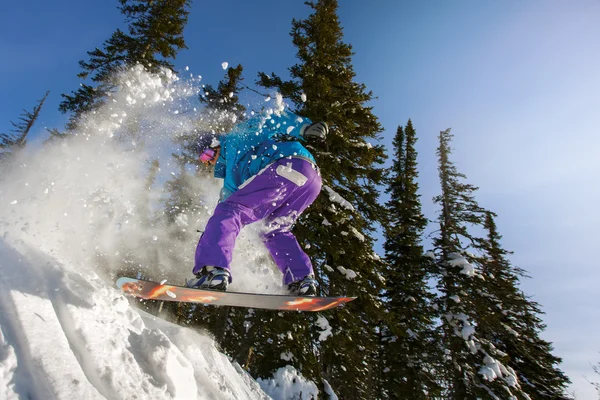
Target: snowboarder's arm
<point>300,128</point>
<point>287,124</point>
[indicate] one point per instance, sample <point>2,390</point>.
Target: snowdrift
<point>66,334</point>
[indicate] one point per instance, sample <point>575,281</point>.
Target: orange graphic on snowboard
<point>155,291</point>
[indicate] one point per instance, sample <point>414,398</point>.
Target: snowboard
<point>150,290</point>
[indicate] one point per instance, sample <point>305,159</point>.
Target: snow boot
<point>304,287</point>
<point>212,278</point>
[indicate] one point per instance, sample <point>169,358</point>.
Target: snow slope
<point>66,334</point>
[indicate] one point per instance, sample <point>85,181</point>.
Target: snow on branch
<point>458,260</point>
<point>356,233</point>
<point>347,272</point>
<point>326,328</point>
<point>336,198</point>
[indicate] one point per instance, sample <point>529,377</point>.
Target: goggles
<point>207,155</point>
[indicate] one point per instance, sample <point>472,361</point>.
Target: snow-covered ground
<point>65,208</point>
<point>66,334</point>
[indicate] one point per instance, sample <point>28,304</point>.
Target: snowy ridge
<point>68,335</point>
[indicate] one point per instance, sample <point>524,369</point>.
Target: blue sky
<point>516,81</point>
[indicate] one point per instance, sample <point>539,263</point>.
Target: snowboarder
<point>268,175</point>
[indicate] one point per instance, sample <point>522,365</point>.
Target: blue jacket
<point>257,142</point>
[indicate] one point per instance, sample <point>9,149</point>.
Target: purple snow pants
<point>278,195</point>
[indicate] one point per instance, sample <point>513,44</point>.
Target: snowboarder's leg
<point>278,238</point>
<point>216,244</point>
<point>256,200</point>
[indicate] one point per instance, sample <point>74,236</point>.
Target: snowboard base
<point>150,290</point>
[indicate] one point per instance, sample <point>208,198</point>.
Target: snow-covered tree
<point>473,367</point>
<point>490,329</point>
<point>512,321</point>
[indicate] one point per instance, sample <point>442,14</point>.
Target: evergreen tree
<point>224,101</point>
<point>515,325</point>
<point>337,229</point>
<point>491,330</point>
<point>154,37</point>
<point>17,138</point>
<point>410,346</point>
<point>474,367</point>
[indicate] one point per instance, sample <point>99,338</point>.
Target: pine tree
<point>410,347</point>
<point>224,101</point>
<point>154,37</point>
<point>474,366</point>
<point>515,325</point>
<point>337,229</point>
<point>457,304</point>
<point>457,207</point>
<point>17,138</point>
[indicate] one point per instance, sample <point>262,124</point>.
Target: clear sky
<point>517,82</point>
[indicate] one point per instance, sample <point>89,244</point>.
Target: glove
<point>316,131</point>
